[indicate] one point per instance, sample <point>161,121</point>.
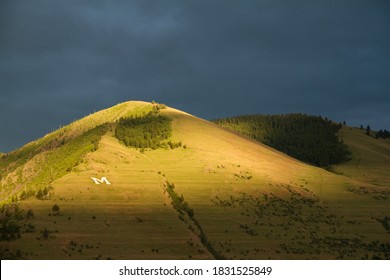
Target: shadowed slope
<point>370,157</point>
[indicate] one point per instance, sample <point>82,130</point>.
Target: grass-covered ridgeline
<point>308,138</point>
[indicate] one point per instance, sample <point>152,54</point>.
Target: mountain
<point>199,192</point>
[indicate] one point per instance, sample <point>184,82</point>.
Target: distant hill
<point>370,157</point>
<point>308,138</point>
<point>145,181</point>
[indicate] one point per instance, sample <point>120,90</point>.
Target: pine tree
<point>368,130</point>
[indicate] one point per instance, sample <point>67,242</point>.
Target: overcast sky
<point>61,60</point>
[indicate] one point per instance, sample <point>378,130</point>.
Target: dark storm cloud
<point>61,60</point>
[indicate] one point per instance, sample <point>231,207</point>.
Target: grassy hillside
<point>219,195</point>
<point>370,157</point>
<point>26,170</point>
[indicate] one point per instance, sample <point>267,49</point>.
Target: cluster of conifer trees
<point>11,221</point>
<point>383,134</point>
<point>147,131</point>
<point>308,138</point>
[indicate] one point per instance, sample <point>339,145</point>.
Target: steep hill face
<point>218,195</point>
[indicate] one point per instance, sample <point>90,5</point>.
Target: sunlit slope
<point>214,144</point>
<point>370,157</point>
<point>35,165</point>
<point>235,199</point>
<point>225,177</point>
<point>131,218</point>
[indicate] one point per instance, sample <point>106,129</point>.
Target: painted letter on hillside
<point>100,181</point>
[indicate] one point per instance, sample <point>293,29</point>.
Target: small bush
<point>56,210</point>
<point>43,193</point>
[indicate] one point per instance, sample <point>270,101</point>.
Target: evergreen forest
<point>310,139</point>
<point>148,131</point>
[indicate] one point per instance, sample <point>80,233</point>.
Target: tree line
<point>311,139</point>
<point>383,133</point>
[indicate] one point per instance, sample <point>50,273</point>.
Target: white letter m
<point>100,181</point>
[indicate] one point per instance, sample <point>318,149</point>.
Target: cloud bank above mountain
<point>61,60</point>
